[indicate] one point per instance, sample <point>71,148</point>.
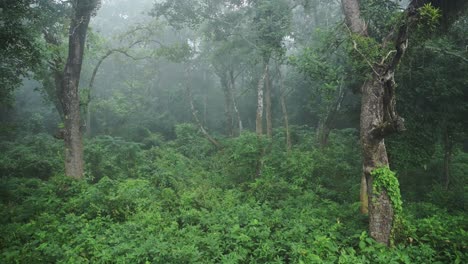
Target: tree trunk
<point>90,87</point>
<point>227,104</point>
<point>234,101</point>
<point>364,199</point>
<point>284,110</point>
<point>195,115</point>
<point>55,98</point>
<point>259,119</point>
<point>53,88</point>
<point>325,125</point>
<point>378,114</point>
<point>448,149</point>
<point>93,78</point>
<point>69,89</point>
<point>357,25</point>
<point>268,115</point>
<point>375,156</point>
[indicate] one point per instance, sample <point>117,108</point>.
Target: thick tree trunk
<point>378,114</point>
<point>353,17</point>
<point>74,165</point>
<point>234,101</point>
<point>375,156</point>
<point>259,119</point>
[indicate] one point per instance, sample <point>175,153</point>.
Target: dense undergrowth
<point>182,201</point>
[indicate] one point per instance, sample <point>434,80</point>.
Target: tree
<point>380,119</point>
<point>69,94</point>
<point>271,23</point>
<point>20,47</point>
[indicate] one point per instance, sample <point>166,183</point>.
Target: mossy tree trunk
<point>379,117</point>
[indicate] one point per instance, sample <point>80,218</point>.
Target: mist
<point>233,131</point>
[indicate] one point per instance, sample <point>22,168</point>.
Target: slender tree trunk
<point>259,119</point>
<point>234,101</point>
<point>448,149</point>
<point>205,109</point>
<point>195,115</point>
<point>90,87</point>
<point>93,78</point>
<point>55,98</point>
<point>227,104</point>
<point>268,115</point>
<point>284,110</point>
<point>74,165</point>
<point>325,125</point>
<point>54,89</point>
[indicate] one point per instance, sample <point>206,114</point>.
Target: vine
<point>384,178</point>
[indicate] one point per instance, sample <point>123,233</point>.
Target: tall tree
<point>379,118</point>
<point>271,23</point>
<point>69,94</point>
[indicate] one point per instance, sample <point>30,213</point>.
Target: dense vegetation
<point>181,201</point>
<point>175,167</point>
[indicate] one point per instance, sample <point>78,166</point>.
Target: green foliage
<point>271,22</point>
<point>385,179</point>
<point>111,157</point>
<point>241,157</point>
<point>38,156</point>
<point>190,142</point>
<point>166,204</point>
<point>429,17</point>
<point>365,53</point>
<point>175,53</point>
<point>381,16</point>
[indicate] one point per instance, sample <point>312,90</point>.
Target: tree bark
<point>325,125</point>
<point>448,149</point>
<point>195,115</point>
<point>259,119</point>
<point>375,156</point>
<point>69,95</point>
<point>268,115</point>
<point>378,114</point>
<point>357,25</point>
<point>227,103</point>
<point>353,17</point>
<point>284,110</point>
<point>234,101</point>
